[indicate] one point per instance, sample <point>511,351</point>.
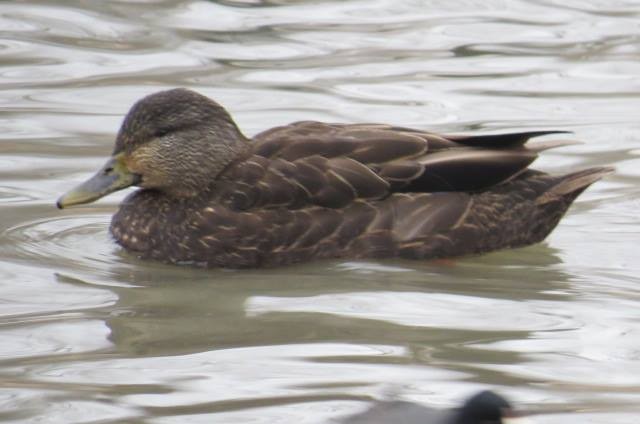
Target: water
<point>91,335</point>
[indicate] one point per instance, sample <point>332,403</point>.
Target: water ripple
<point>57,241</point>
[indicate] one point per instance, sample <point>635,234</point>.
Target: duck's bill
<point>113,176</point>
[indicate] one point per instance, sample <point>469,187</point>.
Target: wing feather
<point>332,165</point>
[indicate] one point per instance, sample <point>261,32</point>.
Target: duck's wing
<point>332,165</point>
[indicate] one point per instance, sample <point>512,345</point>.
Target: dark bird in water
<point>310,190</point>
<point>483,408</point>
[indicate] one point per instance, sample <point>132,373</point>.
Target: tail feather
<point>573,184</point>
<point>501,140</point>
<point>539,146</point>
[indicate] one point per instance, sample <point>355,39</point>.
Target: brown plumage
<point>313,190</point>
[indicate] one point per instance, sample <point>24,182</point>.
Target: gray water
<point>89,334</point>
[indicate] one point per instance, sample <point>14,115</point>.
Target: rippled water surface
<point>89,334</point>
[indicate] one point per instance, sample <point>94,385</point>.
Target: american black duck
<point>483,408</point>
<point>309,190</point>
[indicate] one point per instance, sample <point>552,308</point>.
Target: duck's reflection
<point>177,310</point>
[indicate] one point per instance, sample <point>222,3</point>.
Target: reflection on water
<point>91,334</point>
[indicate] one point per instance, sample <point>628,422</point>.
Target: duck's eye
<point>108,170</point>
<point>162,132</point>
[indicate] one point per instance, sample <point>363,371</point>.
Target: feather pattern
<point>332,165</point>
<point>311,190</point>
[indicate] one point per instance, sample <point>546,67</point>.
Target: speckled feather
<point>312,190</point>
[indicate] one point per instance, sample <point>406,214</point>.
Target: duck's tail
<point>550,205</point>
<point>571,185</point>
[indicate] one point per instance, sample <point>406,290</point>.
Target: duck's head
<point>486,407</point>
<point>175,141</point>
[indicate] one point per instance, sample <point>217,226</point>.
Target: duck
<point>485,407</point>
<point>209,196</point>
